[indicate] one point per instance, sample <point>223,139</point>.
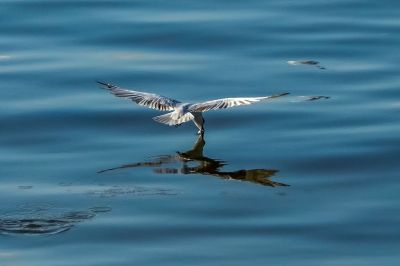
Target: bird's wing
<point>150,100</point>
<point>228,102</point>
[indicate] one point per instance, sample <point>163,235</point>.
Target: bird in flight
<point>181,112</point>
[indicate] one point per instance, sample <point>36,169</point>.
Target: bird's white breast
<point>180,111</point>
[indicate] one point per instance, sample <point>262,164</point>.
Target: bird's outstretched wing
<point>228,102</point>
<point>150,100</point>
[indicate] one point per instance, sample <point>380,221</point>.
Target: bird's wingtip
<point>279,95</point>
<point>105,85</point>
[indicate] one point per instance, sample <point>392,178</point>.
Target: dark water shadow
<point>44,220</point>
<point>202,165</point>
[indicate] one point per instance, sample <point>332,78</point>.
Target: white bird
<point>181,112</point>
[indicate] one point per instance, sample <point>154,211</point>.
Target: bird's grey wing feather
<point>228,102</point>
<point>150,100</point>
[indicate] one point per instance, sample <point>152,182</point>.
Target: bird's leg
<point>201,129</point>
<point>199,122</point>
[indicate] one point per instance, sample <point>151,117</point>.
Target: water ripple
<point>44,219</point>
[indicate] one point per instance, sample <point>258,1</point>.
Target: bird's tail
<point>169,119</point>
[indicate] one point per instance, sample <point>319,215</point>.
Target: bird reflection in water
<point>204,166</point>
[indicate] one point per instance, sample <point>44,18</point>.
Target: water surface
<point>287,182</point>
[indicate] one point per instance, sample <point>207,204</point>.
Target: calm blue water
<point>286,182</point>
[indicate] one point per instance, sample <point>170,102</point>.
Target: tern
<point>181,112</point>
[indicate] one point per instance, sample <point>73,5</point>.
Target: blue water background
<point>336,160</point>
